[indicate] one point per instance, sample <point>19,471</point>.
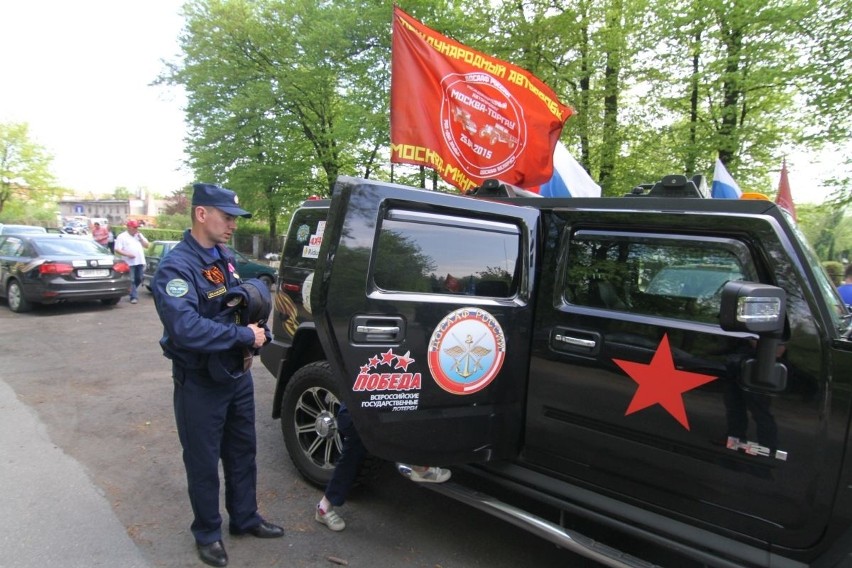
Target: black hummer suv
<point>670,369</point>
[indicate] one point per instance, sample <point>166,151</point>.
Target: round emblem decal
<point>466,351</point>
<point>302,233</point>
<point>306,292</point>
<point>177,287</point>
<point>483,124</point>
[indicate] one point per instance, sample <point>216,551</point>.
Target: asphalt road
<point>90,448</point>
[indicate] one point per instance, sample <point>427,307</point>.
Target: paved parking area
<point>92,476</point>
<point>53,515</point>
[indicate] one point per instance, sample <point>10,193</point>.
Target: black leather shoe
<point>263,530</point>
<point>213,554</point>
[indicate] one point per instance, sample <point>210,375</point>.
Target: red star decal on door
<point>403,361</point>
<point>660,383</point>
<point>388,357</point>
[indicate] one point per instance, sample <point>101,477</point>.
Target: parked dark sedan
<point>48,268</point>
<point>246,267</point>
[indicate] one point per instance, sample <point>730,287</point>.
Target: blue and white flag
<point>569,178</point>
<point>724,186</point>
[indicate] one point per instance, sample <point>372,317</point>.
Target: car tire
<point>15,297</point>
<point>266,279</point>
<point>309,424</point>
<point>110,301</point>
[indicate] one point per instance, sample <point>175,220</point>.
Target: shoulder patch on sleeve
<point>177,287</point>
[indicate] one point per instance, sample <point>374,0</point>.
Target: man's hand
<point>259,335</point>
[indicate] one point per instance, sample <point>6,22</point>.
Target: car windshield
<point>69,247</point>
<point>838,312</point>
<point>692,281</point>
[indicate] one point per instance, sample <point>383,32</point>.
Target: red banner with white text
<point>469,116</point>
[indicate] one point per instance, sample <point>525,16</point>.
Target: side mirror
<point>752,307</point>
<point>757,308</point>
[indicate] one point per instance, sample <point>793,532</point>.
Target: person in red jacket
<point>100,234</point>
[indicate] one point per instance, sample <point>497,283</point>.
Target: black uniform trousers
<point>216,421</point>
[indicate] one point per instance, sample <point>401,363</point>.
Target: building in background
<point>115,211</point>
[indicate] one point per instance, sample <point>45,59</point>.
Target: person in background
<point>845,288</point>
<point>111,240</point>
<point>214,411</point>
<point>346,469</point>
<point>100,234</point>
<point>131,244</point>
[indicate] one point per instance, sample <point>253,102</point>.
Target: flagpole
<point>784,198</point>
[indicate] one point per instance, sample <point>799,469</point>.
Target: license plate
<point>93,273</point>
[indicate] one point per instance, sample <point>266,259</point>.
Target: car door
<point>153,256</point>
<point>10,252</point>
<point>424,310</point>
<point>636,388</point>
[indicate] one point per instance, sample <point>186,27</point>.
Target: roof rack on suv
<point>497,188</point>
<point>675,185</point>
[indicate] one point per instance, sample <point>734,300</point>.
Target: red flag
<point>784,198</point>
<point>468,115</point>
<point>452,283</point>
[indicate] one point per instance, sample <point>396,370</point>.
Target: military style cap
<point>214,196</point>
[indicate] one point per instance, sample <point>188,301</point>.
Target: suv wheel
<point>309,424</point>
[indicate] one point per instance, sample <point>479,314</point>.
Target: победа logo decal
<point>395,387</point>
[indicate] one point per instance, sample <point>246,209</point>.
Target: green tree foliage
<point>834,269</point>
<point>722,80</point>
<point>24,166</point>
<point>285,95</point>
<point>281,92</point>
<point>828,86</point>
<point>826,81</point>
<point>829,230</point>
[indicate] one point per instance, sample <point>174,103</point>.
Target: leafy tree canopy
<point>24,167</point>
<point>285,95</point>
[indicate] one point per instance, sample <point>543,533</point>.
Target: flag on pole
<point>466,114</point>
<point>569,179</point>
<point>724,186</point>
<point>784,199</point>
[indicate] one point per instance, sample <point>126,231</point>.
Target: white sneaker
<point>330,519</point>
<point>431,475</point>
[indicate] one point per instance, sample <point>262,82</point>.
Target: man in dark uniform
<point>214,410</point>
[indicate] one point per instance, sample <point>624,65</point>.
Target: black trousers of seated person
<point>351,457</point>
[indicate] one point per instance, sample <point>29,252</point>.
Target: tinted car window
<point>156,250</point>
<point>421,252</point>
<point>11,247</point>
<point>301,248</point>
<point>72,247</point>
<point>668,276</point>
